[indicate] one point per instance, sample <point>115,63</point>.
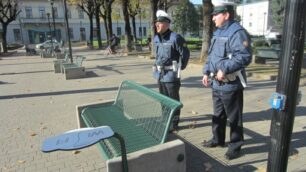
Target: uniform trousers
<point>228,105</point>
<point>171,89</point>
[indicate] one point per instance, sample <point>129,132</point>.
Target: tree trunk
<point>153,18</point>
<point>4,43</point>
<point>207,29</point>
<point>134,28</point>
<point>97,14</point>
<point>128,35</point>
<point>91,31</point>
<point>109,20</point>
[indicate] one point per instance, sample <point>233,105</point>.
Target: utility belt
<point>230,77</point>
<point>174,67</point>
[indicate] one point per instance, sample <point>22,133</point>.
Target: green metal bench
<point>140,115</point>
<point>267,53</point>
<point>74,70</point>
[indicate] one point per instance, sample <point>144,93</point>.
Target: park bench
<point>74,70</point>
<point>267,53</point>
<point>140,115</point>
<point>58,63</point>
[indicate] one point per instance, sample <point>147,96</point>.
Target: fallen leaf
<point>76,152</point>
<point>21,161</point>
<point>16,129</point>
<point>33,134</point>
<point>43,128</point>
<point>194,112</point>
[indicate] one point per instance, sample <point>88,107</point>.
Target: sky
<point>196,1</point>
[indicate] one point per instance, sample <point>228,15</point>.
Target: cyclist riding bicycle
<point>114,41</point>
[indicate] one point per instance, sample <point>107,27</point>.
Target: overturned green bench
<point>266,53</point>
<point>74,70</point>
<point>140,115</point>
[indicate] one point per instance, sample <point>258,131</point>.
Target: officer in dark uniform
<point>171,57</point>
<point>229,53</point>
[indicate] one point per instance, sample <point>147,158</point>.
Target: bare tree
<point>88,7</point>
<point>8,13</point>
<point>97,5</point>
<point>154,4</point>
<point>128,34</point>
<point>133,11</point>
<point>207,29</point>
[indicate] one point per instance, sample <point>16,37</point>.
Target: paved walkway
<point>36,103</point>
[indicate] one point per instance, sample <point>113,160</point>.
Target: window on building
<point>144,31</point>
<point>29,13</point>
<point>71,33</point>
<point>55,12</point>
<point>81,13</point>
<point>251,14</point>
<point>42,12</point>
<point>17,35</point>
<point>119,31</point>
<point>250,24</point>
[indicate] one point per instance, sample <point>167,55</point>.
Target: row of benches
<point>70,70</point>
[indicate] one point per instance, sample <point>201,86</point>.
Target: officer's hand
<point>205,80</point>
<point>220,75</point>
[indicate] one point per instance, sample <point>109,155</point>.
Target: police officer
<point>228,55</point>
<point>171,57</point>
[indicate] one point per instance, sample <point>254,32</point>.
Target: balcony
<point>41,20</point>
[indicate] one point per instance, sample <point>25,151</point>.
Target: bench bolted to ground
<point>143,118</point>
<point>74,70</point>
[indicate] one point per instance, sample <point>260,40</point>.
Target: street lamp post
<point>51,2</point>
<point>264,23</point>
<point>50,31</point>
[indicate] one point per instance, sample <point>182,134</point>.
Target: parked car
<point>48,44</point>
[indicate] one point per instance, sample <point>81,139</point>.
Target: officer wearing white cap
<point>172,56</point>
<point>229,53</point>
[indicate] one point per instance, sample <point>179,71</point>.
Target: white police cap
<point>162,16</point>
<point>222,6</point>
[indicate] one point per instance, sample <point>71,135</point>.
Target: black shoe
<point>211,144</point>
<point>232,154</point>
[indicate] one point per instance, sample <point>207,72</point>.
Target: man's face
<point>220,18</point>
<point>161,27</point>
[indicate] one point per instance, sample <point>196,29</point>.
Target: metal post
<point>67,28</point>
<point>48,15</point>
<point>123,152</point>
<point>287,84</point>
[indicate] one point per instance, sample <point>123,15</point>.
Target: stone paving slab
<point>36,103</point>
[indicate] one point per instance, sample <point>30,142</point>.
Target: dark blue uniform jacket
<point>229,39</point>
<point>169,47</point>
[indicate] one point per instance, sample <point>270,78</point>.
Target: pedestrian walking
<point>172,56</point>
<point>229,53</point>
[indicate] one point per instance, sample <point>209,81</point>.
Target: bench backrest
<point>147,109</point>
<point>79,60</point>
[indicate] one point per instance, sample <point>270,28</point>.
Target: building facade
<point>254,16</point>
<point>35,23</point>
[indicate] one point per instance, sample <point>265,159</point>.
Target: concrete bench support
<point>165,157</point>
<point>74,72</point>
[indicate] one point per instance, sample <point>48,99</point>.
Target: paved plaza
<point>36,103</point>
